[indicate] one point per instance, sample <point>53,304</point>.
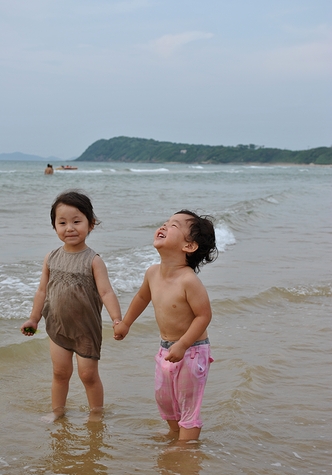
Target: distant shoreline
<point>244,164</point>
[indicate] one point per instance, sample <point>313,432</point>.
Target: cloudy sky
<point>216,72</point>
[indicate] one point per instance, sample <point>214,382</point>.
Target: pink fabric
<point>179,387</point>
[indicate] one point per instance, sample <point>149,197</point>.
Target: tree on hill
<point>127,149</point>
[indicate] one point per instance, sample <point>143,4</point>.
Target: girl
<point>73,287</point>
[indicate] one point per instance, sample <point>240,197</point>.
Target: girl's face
<point>72,227</point>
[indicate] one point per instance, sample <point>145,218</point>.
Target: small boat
<point>66,167</point>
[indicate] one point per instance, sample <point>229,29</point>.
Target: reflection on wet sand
<point>78,449</point>
<point>181,459</point>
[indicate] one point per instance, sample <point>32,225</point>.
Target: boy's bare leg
<point>189,434</point>
<point>183,434</point>
<point>173,428</point>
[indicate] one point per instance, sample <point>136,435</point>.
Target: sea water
<point>267,404</point>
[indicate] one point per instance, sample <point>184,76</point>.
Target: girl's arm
<point>105,290</point>
<point>138,304</point>
<point>38,302</point>
<point>198,300</point>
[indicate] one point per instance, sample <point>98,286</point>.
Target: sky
<point>213,72</point>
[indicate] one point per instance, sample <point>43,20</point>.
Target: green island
<point>127,149</point>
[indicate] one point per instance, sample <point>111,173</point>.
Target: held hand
<point>120,330</point>
<point>176,352</point>
<point>29,328</point>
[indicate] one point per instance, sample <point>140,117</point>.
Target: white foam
<point>272,200</point>
<point>297,455</point>
<point>90,171</point>
<point>16,284</point>
<point>127,271</point>
<point>149,170</point>
<point>224,237</point>
<point>259,166</point>
<point>80,171</point>
<point>3,462</point>
<point>233,170</point>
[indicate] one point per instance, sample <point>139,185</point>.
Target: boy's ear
<point>190,247</point>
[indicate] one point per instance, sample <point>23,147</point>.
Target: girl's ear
<point>92,226</point>
<point>190,247</point>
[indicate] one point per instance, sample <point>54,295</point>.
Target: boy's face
<point>174,232</point>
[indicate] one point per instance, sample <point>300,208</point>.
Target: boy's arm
<point>38,301</point>
<point>138,304</point>
<point>105,289</point>
<point>198,300</point>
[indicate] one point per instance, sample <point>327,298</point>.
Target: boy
<point>182,310</point>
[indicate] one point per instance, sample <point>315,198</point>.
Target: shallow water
<point>267,405</point>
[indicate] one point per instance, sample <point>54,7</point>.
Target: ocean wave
<point>224,237</point>
<point>18,284</point>
<point>30,347</point>
<point>232,170</point>
<point>127,270</point>
<point>305,291</point>
<point>66,172</point>
<point>274,295</point>
<point>149,170</point>
<point>259,166</point>
<point>79,171</point>
<point>245,212</point>
<point>214,171</point>
<point>90,171</point>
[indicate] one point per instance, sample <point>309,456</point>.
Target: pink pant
<point>179,387</point>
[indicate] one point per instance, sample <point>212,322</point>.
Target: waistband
<point>167,344</point>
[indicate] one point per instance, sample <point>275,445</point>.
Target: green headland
<point>126,149</point>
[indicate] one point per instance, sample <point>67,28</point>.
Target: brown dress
<point>72,308</point>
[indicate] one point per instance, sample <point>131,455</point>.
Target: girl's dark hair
<point>78,200</point>
<point>202,232</point>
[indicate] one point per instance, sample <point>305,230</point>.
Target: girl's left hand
<point>29,328</point>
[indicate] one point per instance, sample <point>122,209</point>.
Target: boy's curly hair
<point>202,232</point>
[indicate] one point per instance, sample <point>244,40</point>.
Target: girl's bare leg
<point>62,370</point>
<point>89,375</point>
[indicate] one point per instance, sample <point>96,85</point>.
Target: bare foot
<point>96,414</point>
<point>165,435</point>
<point>54,415</point>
